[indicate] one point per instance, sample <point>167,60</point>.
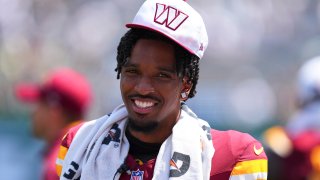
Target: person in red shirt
<point>154,134</point>
<point>61,102</point>
<point>295,147</point>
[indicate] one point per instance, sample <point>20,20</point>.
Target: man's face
<point>40,119</point>
<point>150,86</point>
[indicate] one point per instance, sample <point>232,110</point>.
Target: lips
<point>143,106</point>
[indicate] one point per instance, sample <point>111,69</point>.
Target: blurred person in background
<point>154,134</point>
<point>61,101</point>
<point>294,149</point>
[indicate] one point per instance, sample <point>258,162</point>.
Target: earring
<point>184,95</point>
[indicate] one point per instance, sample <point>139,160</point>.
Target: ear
<point>185,90</point>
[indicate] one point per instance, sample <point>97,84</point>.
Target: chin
<point>142,127</point>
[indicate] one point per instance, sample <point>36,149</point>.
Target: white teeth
<point>143,104</point>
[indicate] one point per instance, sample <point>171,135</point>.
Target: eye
<point>164,75</point>
<point>130,71</point>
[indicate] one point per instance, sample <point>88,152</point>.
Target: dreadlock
<point>187,64</point>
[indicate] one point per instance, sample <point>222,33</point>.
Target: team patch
<point>137,175</point>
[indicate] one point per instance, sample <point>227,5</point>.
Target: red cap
<point>64,86</point>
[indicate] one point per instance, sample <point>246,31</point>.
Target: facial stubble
<point>142,127</point>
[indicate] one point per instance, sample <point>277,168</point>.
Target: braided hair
<point>187,64</point>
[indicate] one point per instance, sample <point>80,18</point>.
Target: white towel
<point>100,147</point>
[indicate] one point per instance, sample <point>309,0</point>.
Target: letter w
<point>171,17</point>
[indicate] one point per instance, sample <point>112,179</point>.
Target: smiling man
<point>151,87</point>
<point>154,135</point>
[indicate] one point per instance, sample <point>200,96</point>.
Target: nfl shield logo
<point>136,175</point>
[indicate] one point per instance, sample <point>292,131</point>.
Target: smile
<point>143,104</point>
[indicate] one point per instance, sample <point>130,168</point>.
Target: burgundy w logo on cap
<point>170,16</point>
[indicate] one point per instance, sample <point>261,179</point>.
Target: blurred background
<point>247,76</point>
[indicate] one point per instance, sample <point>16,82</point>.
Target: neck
<point>141,150</point>
<point>151,137</point>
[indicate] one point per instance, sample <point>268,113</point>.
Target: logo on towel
<point>71,172</point>
<point>179,164</point>
<point>171,17</point>
<point>113,135</point>
<point>136,175</point>
<point>201,47</point>
<point>207,130</point>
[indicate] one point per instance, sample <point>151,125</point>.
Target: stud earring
<point>184,95</point>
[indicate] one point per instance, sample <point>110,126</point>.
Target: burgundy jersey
<point>50,156</point>
<point>237,156</point>
<point>298,157</point>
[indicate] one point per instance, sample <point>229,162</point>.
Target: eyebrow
<point>129,64</point>
<point>168,70</point>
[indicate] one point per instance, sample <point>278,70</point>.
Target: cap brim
<point>27,92</point>
<point>130,25</point>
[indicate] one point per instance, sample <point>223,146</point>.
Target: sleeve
<point>64,146</point>
<point>237,156</point>
<point>251,161</point>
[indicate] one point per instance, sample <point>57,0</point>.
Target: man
<point>295,147</point>
<point>60,102</point>
<point>154,135</point>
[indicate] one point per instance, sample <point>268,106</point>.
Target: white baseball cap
<point>175,19</point>
<point>309,79</point>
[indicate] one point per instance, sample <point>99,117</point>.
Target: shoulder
<point>240,146</point>
<point>234,148</point>
<point>65,144</point>
<point>67,139</point>
<point>233,139</point>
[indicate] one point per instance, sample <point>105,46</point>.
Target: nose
<point>144,86</point>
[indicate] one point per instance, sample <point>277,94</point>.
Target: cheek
<point>175,97</point>
<point>41,114</point>
<point>172,93</point>
<point>36,114</point>
<point>124,85</point>
<point>37,119</point>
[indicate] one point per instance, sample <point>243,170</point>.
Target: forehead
<point>153,52</point>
